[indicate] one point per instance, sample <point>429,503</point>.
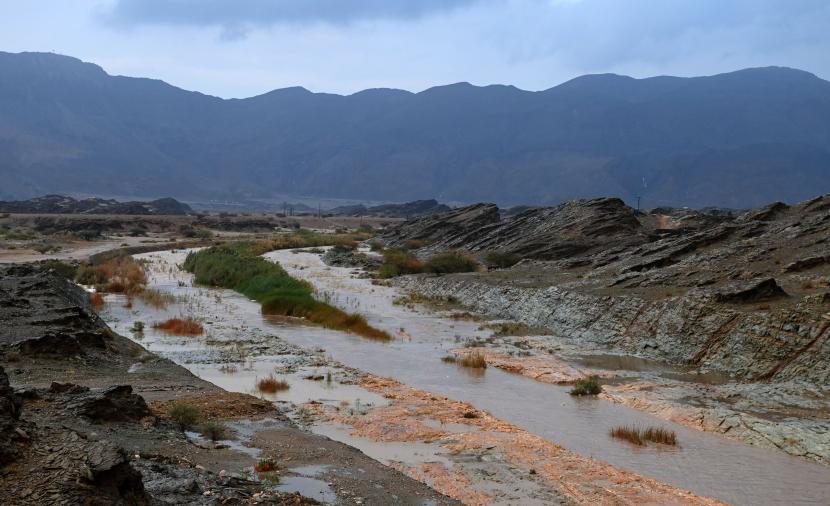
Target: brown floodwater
<point>704,463</point>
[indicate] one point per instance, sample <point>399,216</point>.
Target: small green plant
<point>138,327</point>
<point>586,386</point>
<point>266,466</point>
<point>451,261</point>
<point>214,431</point>
<point>185,415</point>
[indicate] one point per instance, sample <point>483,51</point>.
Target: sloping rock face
<point>47,316</point>
<point>693,329</point>
<point>454,229</point>
<point>550,233</point>
<point>748,295</point>
<point>406,210</point>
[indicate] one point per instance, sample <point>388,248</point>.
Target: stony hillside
<point>747,294</point>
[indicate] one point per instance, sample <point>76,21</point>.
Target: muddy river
<point>706,464</point>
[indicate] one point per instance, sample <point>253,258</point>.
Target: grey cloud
<point>235,16</point>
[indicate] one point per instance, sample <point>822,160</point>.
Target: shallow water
<point>704,463</point>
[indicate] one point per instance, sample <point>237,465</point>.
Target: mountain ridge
<point>68,126</point>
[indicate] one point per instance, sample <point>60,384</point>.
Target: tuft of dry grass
<point>630,434</point>
<point>272,385</point>
<point>119,275</point>
<point>475,359</point>
<point>660,435</point>
<point>181,327</point>
<point>96,300</point>
<point>639,437</point>
<point>156,299</point>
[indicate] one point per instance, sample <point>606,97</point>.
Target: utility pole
<point>638,204</point>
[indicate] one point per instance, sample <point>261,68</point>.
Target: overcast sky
<point>240,48</point>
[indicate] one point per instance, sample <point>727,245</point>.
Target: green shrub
<point>586,386</point>
<point>185,415</point>
<point>449,262</point>
<point>238,266</point>
<point>63,269</point>
<point>213,430</point>
<point>397,262</point>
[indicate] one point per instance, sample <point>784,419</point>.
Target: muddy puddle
<point>703,463</point>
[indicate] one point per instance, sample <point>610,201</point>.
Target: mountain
<point>60,204</point>
<point>731,140</point>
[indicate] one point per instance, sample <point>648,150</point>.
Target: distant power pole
<point>638,205</point>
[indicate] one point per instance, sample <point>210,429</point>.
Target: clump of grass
<point>398,262</point>
<point>450,262</point>
<point>475,359</point>
<point>185,415</point>
<point>376,246</point>
<point>639,437</point>
<point>156,299</point>
<point>660,435</point>
<point>228,369</point>
<point>630,434</point>
<point>501,260</point>
<point>138,327</point>
<point>181,327</point>
<point>470,414</point>
<point>238,266</point>
<point>118,275</point>
<point>272,385</point>
<point>450,359</point>
<point>266,466</point>
<point>586,386</point>
<point>96,300</point>
<point>214,431</point>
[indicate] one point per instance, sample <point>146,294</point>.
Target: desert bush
<point>119,275</point>
<point>63,269</point>
<point>185,415</point>
<point>96,300</point>
<point>501,260</point>
<point>180,327</point>
<point>272,385</point>
<point>138,326</point>
<point>475,359</point>
<point>398,262</point>
<point>376,246</point>
<point>449,262</point>
<point>586,386</point>
<point>213,430</point>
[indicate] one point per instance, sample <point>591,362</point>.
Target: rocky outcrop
<point>60,204</point>
<point>406,210</point>
<point>791,343</point>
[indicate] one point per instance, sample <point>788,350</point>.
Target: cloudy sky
<point>240,48</point>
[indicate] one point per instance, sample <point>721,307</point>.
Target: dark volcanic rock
<point>549,233</point>
<point>406,210</point>
<point>452,229</point>
<point>114,404</point>
<point>755,291</point>
<point>10,405</point>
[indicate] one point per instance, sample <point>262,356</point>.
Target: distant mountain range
<point>735,140</point>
